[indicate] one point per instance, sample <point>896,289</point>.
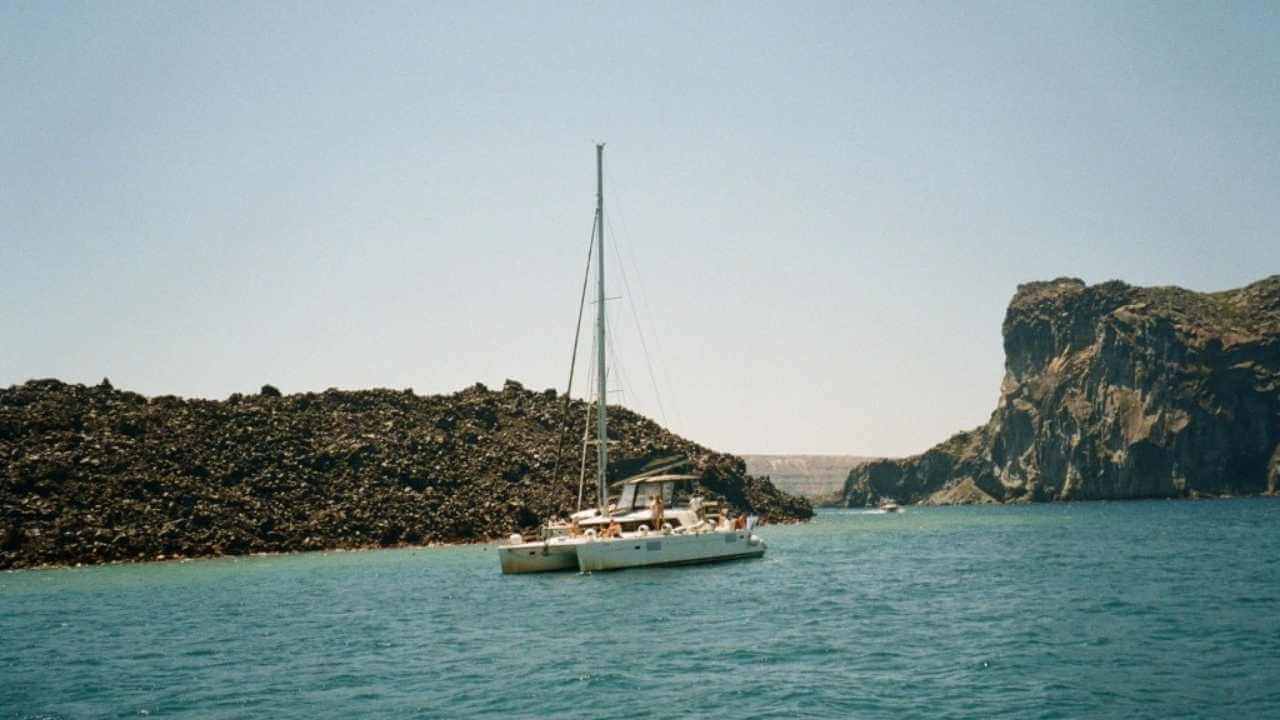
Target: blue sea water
<point>1118,610</point>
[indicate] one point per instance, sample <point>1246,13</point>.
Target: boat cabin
<point>637,493</point>
<point>630,507</point>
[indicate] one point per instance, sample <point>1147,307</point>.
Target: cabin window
<point>639,495</point>
<point>628,497</point>
<point>647,492</point>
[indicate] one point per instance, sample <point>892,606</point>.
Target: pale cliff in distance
<point>819,478</point>
<point>1113,391</point>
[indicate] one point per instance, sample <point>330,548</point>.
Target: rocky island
<point>95,474</point>
<point>1113,391</point>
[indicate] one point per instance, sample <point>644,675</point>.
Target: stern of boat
<point>534,557</point>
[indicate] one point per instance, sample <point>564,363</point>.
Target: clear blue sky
<point>824,208</point>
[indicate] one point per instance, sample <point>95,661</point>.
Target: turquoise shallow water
<point>1139,609</point>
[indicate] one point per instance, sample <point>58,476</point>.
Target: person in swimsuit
<point>726,520</point>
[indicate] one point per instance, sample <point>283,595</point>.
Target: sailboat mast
<point>602,388</point>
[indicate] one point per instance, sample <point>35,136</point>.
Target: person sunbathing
<point>614,530</point>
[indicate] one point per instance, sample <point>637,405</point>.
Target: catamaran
<point>656,518</point>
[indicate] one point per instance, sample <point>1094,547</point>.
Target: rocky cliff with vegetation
<point>93,474</point>
<point>1114,391</point>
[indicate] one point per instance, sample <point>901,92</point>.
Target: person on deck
<point>655,508</point>
<point>740,522</point>
<point>614,530</point>
<point>726,520</point>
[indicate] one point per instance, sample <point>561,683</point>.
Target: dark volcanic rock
<point>93,474</point>
<point>1113,391</point>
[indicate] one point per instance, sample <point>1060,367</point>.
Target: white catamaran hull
<point>539,557</point>
<point>655,550</point>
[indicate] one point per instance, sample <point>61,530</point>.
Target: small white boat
<point>649,522</point>
<point>890,506</point>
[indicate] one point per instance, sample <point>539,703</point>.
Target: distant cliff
<point>94,474</point>
<point>820,478</point>
<point>1114,391</point>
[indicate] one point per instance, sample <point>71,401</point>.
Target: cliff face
<point>1114,391</point>
<point>819,478</point>
<point>93,474</point>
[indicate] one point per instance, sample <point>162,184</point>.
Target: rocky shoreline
<point>95,475</point>
<point>1112,392</point>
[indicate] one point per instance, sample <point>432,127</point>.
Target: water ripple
<point>1146,610</point>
